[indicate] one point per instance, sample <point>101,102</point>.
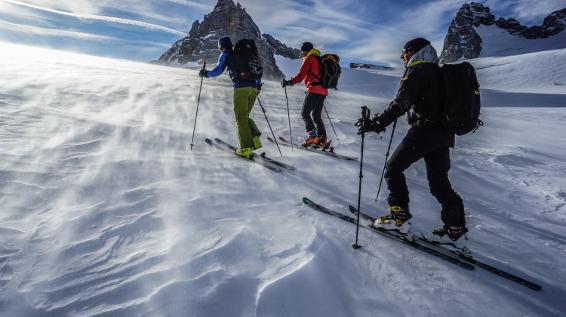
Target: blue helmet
<point>224,43</point>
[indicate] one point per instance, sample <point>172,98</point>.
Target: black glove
<point>285,83</point>
<point>370,125</point>
<point>258,87</point>
<point>363,122</point>
<point>203,73</point>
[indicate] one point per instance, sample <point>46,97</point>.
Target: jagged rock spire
<point>227,19</point>
<point>462,40</point>
<point>224,4</point>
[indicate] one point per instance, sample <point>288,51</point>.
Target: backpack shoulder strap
<point>311,72</point>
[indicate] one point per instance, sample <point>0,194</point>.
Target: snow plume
<point>105,212</point>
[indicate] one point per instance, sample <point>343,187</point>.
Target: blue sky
<point>358,30</point>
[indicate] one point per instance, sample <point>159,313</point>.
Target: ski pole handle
<point>365,112</point>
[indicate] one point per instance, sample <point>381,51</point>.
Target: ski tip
<point>307,201</point>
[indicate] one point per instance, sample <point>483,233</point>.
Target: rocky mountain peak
<point>224,4</point>
<point>282,49</point>
<point>227,19</point>
<point>462,40</point>
<point>552,25</point>
<point>475,14</point>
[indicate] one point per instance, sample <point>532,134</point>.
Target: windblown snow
<point>105,211</point>
<point>527,80</point>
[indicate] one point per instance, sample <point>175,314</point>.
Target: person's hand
<point>203,73</point>
<point>373,125</point>
<point>285,83</point>
<point>258,87</point>
<point>362,122</point>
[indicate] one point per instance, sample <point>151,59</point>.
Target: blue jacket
<point>228,60</point>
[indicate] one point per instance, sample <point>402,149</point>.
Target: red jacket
<point>310,73</point>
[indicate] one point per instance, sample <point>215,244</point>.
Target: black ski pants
<point>437,160</point>
<point>314,103</point>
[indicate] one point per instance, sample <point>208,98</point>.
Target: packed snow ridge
<point>105,211</point>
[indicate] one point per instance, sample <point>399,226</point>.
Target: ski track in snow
<point>105,212</point>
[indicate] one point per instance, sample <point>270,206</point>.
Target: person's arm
<point>405,99</point>
<point>303,72</point>
<point>220,67</point>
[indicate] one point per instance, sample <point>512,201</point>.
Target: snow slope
<point>527,80</point>
<point>106,213</point>
<point>499,42</point>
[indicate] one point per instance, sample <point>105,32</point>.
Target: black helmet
<point>224,42</point>
<point>415,45</point>
<point>307,47</point>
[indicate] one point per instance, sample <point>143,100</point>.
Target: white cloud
<point>191,4</point>
<point>384,43</point>
<point>34,30</point>
<point>75,6</point>
<point>332,24</point>
<point>322,22</point>
<point>527,11</point>
<point>99,18</point>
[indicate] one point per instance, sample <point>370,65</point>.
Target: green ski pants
<point>244,100</point>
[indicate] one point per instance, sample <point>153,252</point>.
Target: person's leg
<point>253,127</point>
<point>241,111</point>
<point>308,106</point>
<point>251,103</point>
<point>318,106</point>
<point>437,167</point>
<point>404,156</point>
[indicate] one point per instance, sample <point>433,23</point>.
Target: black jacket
<point>420,96</point>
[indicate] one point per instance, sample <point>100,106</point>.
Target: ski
<point>261,156</point>
<point>470,259</point>
<point>258,158</point>
<point>329,152</point>
<point>231,149</point>
<point>397,236</point>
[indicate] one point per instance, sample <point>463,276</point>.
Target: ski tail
<point>474,260</point>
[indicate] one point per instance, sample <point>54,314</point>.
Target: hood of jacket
<point>426,54</point>
<point>314,52</point>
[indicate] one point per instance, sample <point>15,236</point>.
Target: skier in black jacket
<point>420,96</point>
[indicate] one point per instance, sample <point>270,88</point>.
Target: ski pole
<point>385,163</point>
<point>289,116</point>
<point>198,104</point>
<point>365,116</point>
<point>265,114</point>
<point>332,125</point>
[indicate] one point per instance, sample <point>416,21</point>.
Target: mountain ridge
<point>463,40</point>
<point>226,19</point>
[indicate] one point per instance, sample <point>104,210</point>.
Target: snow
<point>534,73</point>
<point>377,83</point>
<point>499,42</point>
<point>105,212</point>
<point>526,80</point>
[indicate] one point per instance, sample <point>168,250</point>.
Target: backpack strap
<point>319,83</point>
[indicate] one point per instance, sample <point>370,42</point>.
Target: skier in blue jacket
<point>245,94</point>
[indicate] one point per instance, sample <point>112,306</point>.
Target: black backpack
<point>461,98</point>
<point>248,63</point>
<point>329,70</point>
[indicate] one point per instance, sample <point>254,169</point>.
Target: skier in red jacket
<point>316,93</point>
